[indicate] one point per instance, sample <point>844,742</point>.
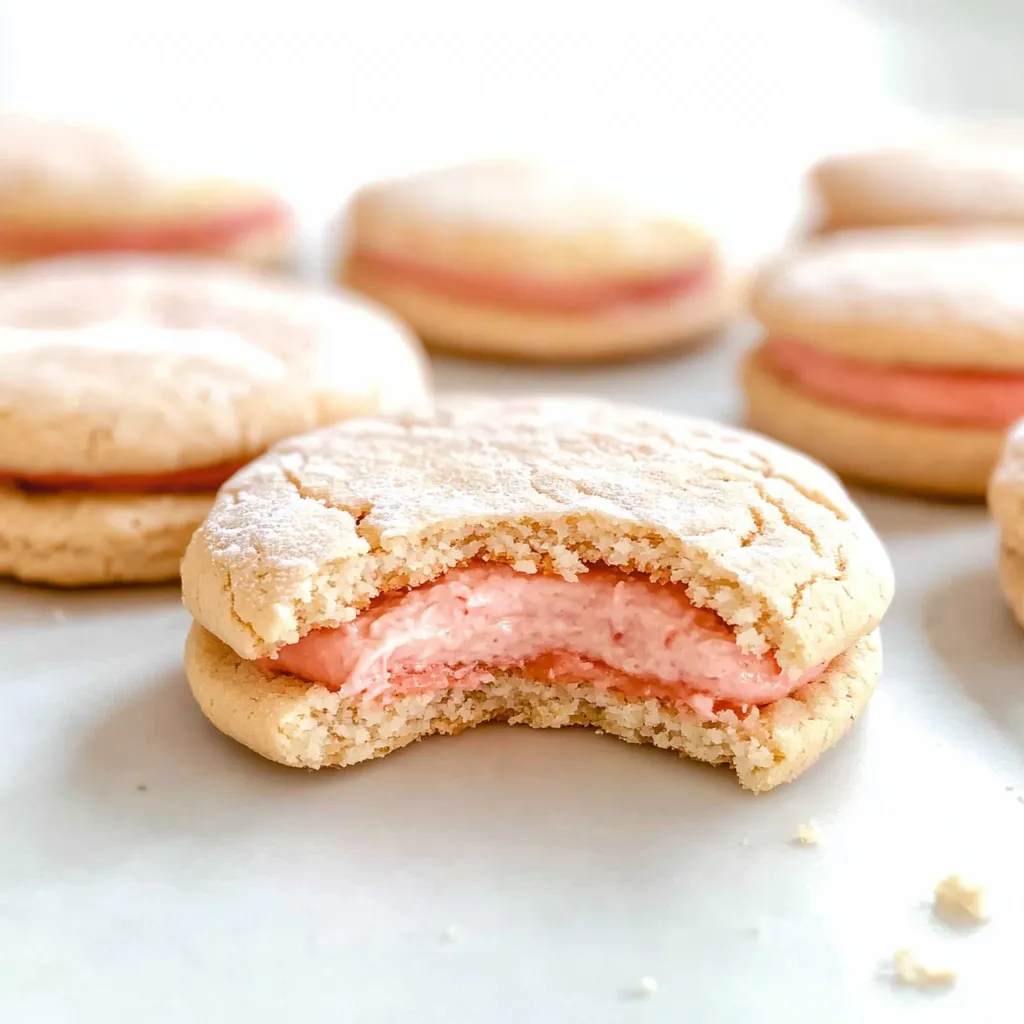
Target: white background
<point>572,865</point>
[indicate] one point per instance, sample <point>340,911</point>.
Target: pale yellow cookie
<point>308,535</point>
<point>76,188</point>
<point>956,180</point>
<point>506,259</point>
<point>896,357</point>
<point>130,389</point>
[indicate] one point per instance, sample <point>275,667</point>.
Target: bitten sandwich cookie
<point>897,357</point>
<point>1006,503</point>
<point>67,188</point>
<point>130,391</point>
<point>500,258</point>
<point>550,562</point>
<point>964,180</point>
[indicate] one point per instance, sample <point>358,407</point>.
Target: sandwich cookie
<point>895,357</point>
<point>131,389</point>
<point>67,188</point>
<point>551,562</point>
<point>500,258</point>
<point>955,181</point>
<point>1006,503</point>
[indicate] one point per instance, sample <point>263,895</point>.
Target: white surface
<point>571,866</point>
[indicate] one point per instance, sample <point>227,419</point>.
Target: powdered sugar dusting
<point>514,194</point>
<point>127,364</point>
<point>961,178</point>
<point>928,277</point>
<point>162,348</point>
<point>528,206</point>
<point>36,153</point>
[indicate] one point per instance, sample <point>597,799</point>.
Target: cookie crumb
<point>957,901</point>
<point>451,934</point>
<point>912,973</point>
<point>808,834</point>
<point>142,787</point>
<point>648,985</point>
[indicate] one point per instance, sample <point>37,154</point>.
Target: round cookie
<point>952,181</point>
<point>499,258</point>
<point>131,388</point>
<point>896,357</point>
<point>72,188</point>
<point>322,539</point>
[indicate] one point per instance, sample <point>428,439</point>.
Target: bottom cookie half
<point>73,540</point>
<point>307,726</point>
<point>943,460</point>
<point>519,334</point>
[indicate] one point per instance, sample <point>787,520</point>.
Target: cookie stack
<point>551,562</point>
<point>896,357</point>
<point>131,389</point>
<point>893,345</point>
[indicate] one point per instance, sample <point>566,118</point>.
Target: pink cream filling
<point>931,396</point>
<point>610,629</point>
<point>524,292</point>
<point>182,481</point>
<point>213,229</point>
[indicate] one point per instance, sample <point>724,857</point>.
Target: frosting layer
<point>212,230</point>
<point>184,481</point>
<point>533,292</point>
<point>927,395</point>
<point>608,628</point>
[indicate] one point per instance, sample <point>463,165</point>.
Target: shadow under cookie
<point>970,627</point>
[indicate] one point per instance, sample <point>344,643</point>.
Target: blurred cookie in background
<point>1006,503</point>
<point>131,388</point>
<point>895,357</point>
<point>501,258</point>
<point>70,188</point>
<point>971,177</point>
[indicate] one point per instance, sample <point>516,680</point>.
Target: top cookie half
<point>314,530</point>
<point>125,365</point>
<point>507,216</point>
<point>918,297</point>
<point>961,179</point>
